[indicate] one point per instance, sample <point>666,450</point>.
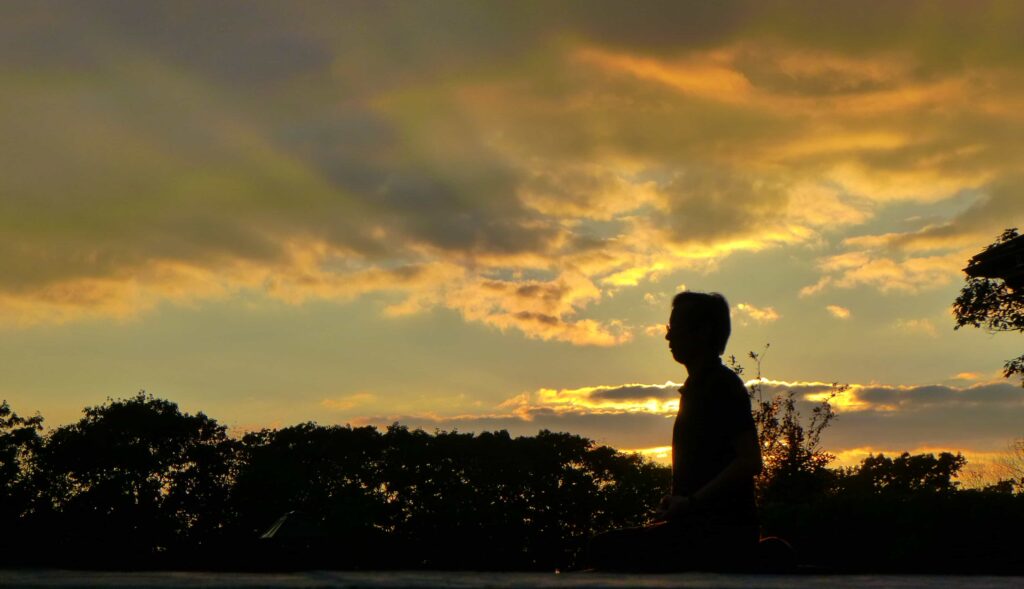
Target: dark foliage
<point>989,303</point>
<point>138,483</point>
<point>903,476</point>
<point>133,475</point>
<point>19,442</point>
<point>795,464</point>
<point>905,514</point>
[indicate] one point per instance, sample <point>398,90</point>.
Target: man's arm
<point>747,463</point>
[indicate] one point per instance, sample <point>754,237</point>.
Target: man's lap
<point>691,543</point>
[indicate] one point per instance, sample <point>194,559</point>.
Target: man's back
<point>713,409</point>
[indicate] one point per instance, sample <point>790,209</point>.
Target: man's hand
<point>671,507</point>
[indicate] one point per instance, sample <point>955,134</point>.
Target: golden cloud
<point>655,330</point>
<point>904,273</point>
<point>346,402</point>
<point>630,398</point>
<point>838,311</point>
<point>967,376</point>
<point>757,314</point>
<point>660,454</point>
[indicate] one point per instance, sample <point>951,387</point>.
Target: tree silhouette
<point>19,442</point>
<point>137,474</point>
<point>138,483</point>
<point>904,475</point>
<point>332,471</point>
<point>988,301</point>
<point>442,500</point>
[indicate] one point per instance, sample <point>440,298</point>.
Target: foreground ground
<point>460,580</point>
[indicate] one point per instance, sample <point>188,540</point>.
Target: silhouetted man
<point>710,519</point>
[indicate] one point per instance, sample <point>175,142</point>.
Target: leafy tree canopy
<point>906,474</point>
<point>137,467</point>
<point>19,438</point>
<point>991,304</point>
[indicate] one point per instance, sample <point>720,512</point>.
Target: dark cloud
<point>636,393</point>
<point>528,317</point>
<point>919,398</point>
<point>715,203</point>
<point>622,430</point>
<point>249,44</point>
<point>130,161</point>
<point>982,418</point>
<point>800,389</point>
<point>972,427</point>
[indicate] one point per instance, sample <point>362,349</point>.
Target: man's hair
<point>703,308</point>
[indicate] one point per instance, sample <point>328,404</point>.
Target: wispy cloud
<point>347,402</point>
<point>917,326</point>
<point>758,314</point>
<point>908,274</point>
<point>838,311</point>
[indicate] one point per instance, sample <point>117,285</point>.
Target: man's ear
<point>704,332</point>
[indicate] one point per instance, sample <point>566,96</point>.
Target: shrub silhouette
<point>795,464</point>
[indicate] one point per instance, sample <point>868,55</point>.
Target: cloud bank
<point>981,418</point>
<point>514,164</point>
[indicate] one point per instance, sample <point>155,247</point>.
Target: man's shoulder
<point>734,398</point>
<point>725,376</point>
<point>729,387</point>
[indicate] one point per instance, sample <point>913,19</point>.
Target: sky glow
<point>475,214</point>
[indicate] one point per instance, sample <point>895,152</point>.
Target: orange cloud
<point>886,83</point>
<point>967,376</point>
<point>707,76</point>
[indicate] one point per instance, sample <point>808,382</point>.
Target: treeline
<point>138,483</point>
<point>888,514</point>
<point>904,514</point>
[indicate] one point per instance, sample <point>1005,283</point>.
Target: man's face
<point>685,339</point>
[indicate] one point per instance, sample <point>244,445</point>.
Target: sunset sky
<point>474,215</point>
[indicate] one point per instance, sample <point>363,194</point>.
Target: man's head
<point>699,325</point>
